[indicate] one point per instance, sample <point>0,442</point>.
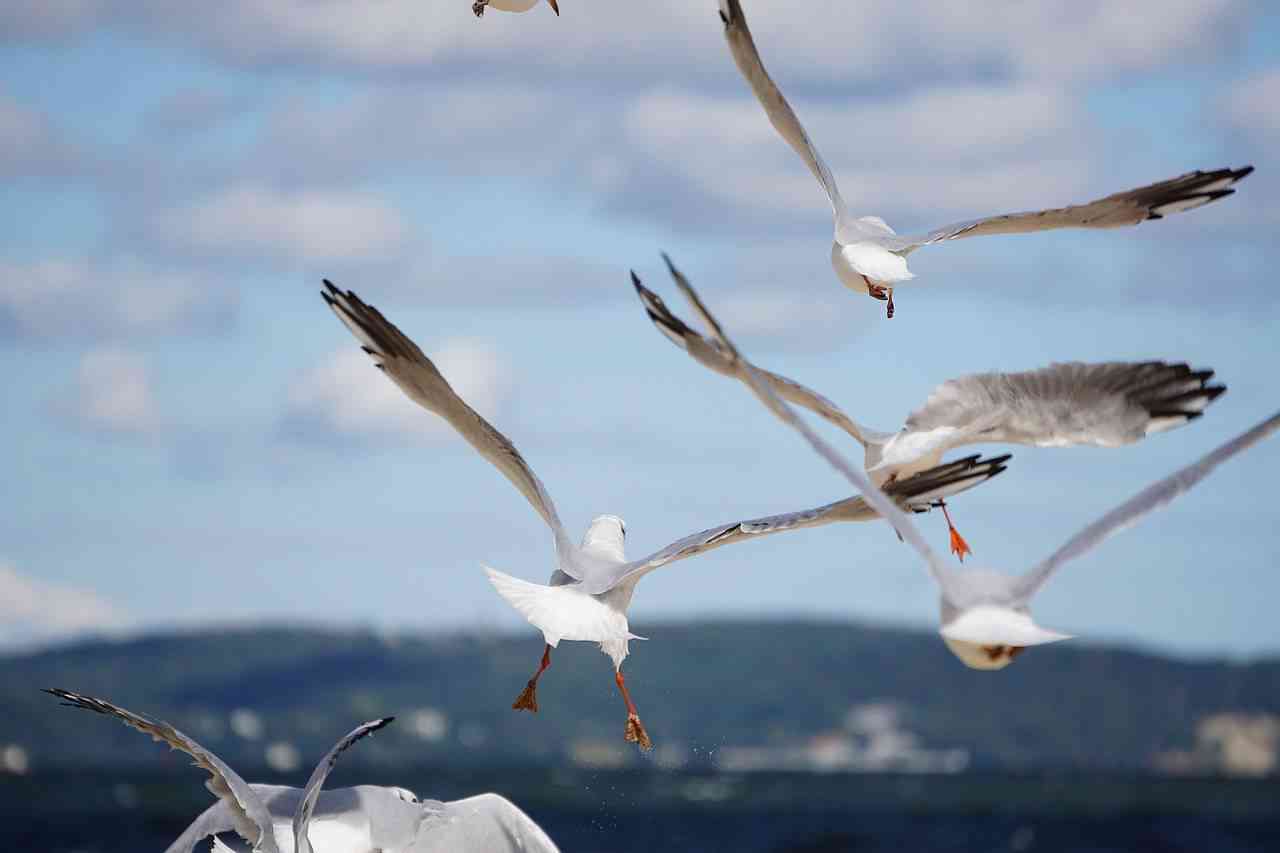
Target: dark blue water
<point>601,812</point>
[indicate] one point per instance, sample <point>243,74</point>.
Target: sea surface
<point>629,812</point>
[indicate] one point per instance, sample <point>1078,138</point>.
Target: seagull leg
<point>959,547</point>
<point>528,698</point>
<point>881,292</point>
<point>635,729</point>
<point>478,7</point>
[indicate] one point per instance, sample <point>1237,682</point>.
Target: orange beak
<point>555,7</point>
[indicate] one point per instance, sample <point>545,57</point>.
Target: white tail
<point>562,612</point>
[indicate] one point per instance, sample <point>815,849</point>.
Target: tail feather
<point>929,488</point>
<point>562,612</point>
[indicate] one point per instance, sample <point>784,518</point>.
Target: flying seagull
<point>985,615</point>
<point>280,819</point>
<point>870,257</point>
<point>510,6</point>
<point>244,809</point>
<point>587,596</point>
<point>1105,404</point>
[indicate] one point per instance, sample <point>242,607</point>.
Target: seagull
<point>870,257</point>
<point>587,596</point>
<point>510,6</point>
<point>280,819</point>
<point>1106,404</point>
<point>985,615</point>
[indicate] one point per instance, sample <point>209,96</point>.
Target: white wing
<point>1154,201</point>
<point>400,359</point>
<point>307,805</point>
<point>1107,404</point>
<point>878,500</point>
<point>917,493</point>
<point>709,355</point>
<point>251,818</point>
<point>780,114</point>
<point>1148,500</point>
<point>486,823</point>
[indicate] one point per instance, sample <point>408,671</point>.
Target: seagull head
<point>606,537</point>
<point>990,636</point>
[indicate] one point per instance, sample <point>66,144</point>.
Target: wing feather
<point>878,501</point>
<point>311,793</point>
<point>1153,497</point>
<point>711,356</point>
<point>1154,201</point>
<point>410,369</point>
<point>784,120</point>
<point>1103,404</point>
<point>251,818</point>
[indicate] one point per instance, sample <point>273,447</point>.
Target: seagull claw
<point>636,733</point>
<point>528,698</point>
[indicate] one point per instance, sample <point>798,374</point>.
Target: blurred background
<point>215,510</point>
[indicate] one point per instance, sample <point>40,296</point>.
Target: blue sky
<point>193,438</point>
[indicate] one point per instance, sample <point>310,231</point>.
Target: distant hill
<point>732,694</point>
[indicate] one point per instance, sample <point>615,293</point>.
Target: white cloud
<point>113,394</point>
<point>34,611</point>
<point>1253,105</point>
<point>257,221</point>
<point>193,109</point>
<point>345,396</point>
<point>46,18</point>
<point>30,146</point>
<point>84,298</point>
<point>873,39</point>
<point>942,150</point>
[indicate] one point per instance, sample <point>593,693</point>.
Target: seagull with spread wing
<point>587,596</point>
<point>870,257</point>
<point>281,819</point>
<point>510,6</point>
<point>1107,404</point>
<point>985,614</point>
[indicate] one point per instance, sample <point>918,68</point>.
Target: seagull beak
<point>555,7</point>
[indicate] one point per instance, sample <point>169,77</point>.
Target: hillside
<point>732,694</point>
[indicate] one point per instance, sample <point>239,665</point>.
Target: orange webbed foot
<point>636,733</point>
<point>528,698</point>
<point>959,547</point>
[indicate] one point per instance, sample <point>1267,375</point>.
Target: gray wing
<point>1154,201</point>
<point>1150,499</point>
<point>712,356</point>
<point>405,364</point>
<point>307,805</point>
<point>215,819</point>
<point>878,500</point>
<point>1106,404</point>
<point>252,820</point>
<point>486,823</point>
<point>917,493</point>
<point>780,114</point>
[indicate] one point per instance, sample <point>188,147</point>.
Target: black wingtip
<point>671,268</point>
<point>1242,173</point>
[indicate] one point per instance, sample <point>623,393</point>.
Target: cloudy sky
<point>192,438</point>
